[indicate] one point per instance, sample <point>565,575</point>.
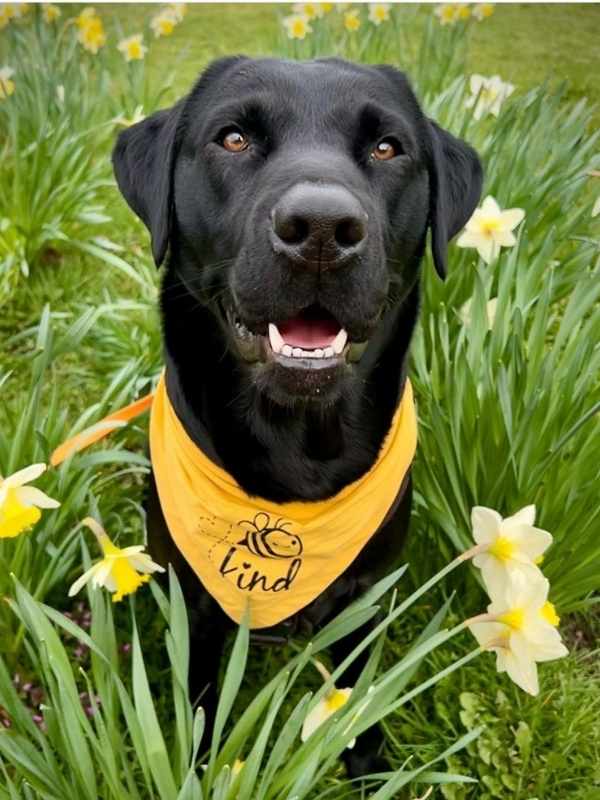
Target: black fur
<point>290,434</point>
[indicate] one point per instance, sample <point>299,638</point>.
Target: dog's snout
<point>318,225</point>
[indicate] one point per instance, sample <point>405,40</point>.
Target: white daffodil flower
<point>297,26</point>
<point>324,709</point>
<point>379,12</point>
<point>521,631</point>
<point>512,546</point>
<point>490,228</point>
<point>121,571</point>
<point>20,504</point>
<point>487,95</point>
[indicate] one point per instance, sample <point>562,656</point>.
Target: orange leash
<point>101,429</point>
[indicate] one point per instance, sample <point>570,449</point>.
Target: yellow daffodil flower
<point>512,546</point>
<point>121,571</point>
<point>482,11</point>
<point>490,228</point>
<point>462,11</point>
<point>179,10</point>
<point>521,631</point>
<point>163,24</point>
<point>352,20</point>
<point>51,12</point>
<point>138,116</point>
<point>20,504</point>
<point>490,312</point>
<point>447,13</point>
<point>297,26</point>
<point>88,13</point>
<point>326,707</point>
<point>379,12</point>
<point>7,12</point>
<point>133,48</point>
<point>327,7</point>
<point>92,35</point>
<point>487,95</point>
<point>7,85</point>
<point>21,10</point>
<point>308,10</point>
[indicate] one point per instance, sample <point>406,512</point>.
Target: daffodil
<point>521,631</point>
<point>91,34</point>
<point>88,13</point>
<point>164,23</point>
<point>179,10</point>
<point>596,208</point>
<point>447,13</point>
<point>326,707</point>
<point>482,11</point>
<point>297,26</point>
<point>462,11</point>
<point>487,95</point>
<point>121,571</point>
<point>308,10</point>
<point>51,12</point>
<point>133,47</point>
<point>7,12</point>
<point>352,20</point>
<point>7,85</point>
<point>20,504</point>
<point>511,546</point>
<point>22,9</point>
<point>490,228</point>
<point>379,12</point>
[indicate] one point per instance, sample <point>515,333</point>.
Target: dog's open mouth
<point>312,339</point>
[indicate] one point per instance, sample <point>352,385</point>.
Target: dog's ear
<point>143,161</point>
<point>455,179</point>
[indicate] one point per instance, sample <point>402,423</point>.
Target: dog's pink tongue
<point>309,333</point>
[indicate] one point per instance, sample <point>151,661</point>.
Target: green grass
<point>545,748</point>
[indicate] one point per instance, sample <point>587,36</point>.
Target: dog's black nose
<point>318,226</point>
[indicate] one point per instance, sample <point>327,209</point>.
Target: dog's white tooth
<point>297,352</point>
<point>328,352</point>
<point>339,342</point>
<point>318,353</point>
<point>275,338</point>
<point>286,350</point>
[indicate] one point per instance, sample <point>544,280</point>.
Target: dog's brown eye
<point>234,141</point>
<point>385,150</point>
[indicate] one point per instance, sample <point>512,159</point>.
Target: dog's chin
<point>307,358</point>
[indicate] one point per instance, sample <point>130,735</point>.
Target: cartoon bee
<point>270,541</point>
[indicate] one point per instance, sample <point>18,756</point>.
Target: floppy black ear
<point>143,160</point>
<point>455,178</point>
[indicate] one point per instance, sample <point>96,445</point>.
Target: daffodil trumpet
<point>122,570</point>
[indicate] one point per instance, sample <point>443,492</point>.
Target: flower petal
<point>30,496</point>
<point>486,523</point>
<point>511,217</point>
<point>82,580</point>
<point>25,475</point>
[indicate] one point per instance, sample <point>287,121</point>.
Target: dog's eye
<point>386,149</point>
<point>233,140</point>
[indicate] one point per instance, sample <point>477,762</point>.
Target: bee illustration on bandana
<point>269,540</point>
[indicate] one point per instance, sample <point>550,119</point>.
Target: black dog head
<point>295,200</point>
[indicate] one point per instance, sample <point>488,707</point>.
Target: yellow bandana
<point>273,558</point>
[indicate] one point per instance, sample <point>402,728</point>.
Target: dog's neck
<point>304,452</point>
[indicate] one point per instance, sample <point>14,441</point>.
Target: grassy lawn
<point>519,426</point>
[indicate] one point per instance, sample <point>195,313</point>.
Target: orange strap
<point>101,429</point>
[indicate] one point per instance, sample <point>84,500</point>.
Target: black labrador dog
<point>294,201</point>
